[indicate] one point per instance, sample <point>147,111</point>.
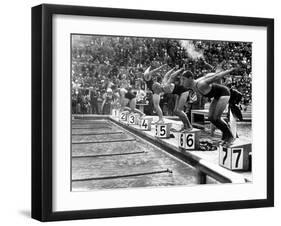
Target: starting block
<point>123,116</point>
<point>145,124</point>
<point>133,119</point>
<point>189,140</point>
<point>163,130</point>
<point>236,156</point>
<point>115,113</point>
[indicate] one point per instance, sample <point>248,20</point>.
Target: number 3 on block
<point>131,119</point>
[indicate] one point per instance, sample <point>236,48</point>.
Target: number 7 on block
<point>237,158</point>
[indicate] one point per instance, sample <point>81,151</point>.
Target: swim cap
<point>157,88</point>
<point>187,74</point>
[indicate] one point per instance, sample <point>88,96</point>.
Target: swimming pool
<point>105,156</point>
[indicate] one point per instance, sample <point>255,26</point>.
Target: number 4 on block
<point>145,124</point>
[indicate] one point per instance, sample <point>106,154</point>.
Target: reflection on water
<point>146,161</point>
<point>244,130</point>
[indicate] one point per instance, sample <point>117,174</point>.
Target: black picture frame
<point>42,108</point>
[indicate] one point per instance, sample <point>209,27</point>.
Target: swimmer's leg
<point>216,109</point>
<point>124,102</point>
<point>156,104</point>
<point>133,104</point>
<point>212,129</point>
<point>179,111</point>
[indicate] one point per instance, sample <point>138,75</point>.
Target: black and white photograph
<point>159,112</point>
<point>141,112</point>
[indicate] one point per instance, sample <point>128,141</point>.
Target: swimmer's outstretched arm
<point>174,75</point>
<point>167,75</point>
<point>157,69</point>
<point>207,65</point>
<point>212,78</point>
<point>149,73</point>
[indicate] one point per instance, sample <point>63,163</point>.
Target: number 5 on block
<point>163,130</point>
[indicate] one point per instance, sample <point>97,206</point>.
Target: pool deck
<point>211,157</point>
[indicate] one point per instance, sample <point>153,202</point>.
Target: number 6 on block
<point>189,140</point>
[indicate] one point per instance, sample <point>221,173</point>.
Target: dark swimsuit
<point>216,91</point>
<point>130,95</point>
<point>179,90</point>
<point>149,84</point>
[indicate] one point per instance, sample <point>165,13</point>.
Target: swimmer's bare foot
<point>141,116</point>
<point>182,130</point>
<point>160,121</point>
<point>186,129</point>
<point>228,142</point>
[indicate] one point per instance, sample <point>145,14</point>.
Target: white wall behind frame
<point>15,76</point>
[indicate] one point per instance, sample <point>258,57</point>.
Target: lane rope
<point>101,133</point>
<point>122,176</point>
<point>104,141</point>
<point>108,155</point>
<point>91,128</point>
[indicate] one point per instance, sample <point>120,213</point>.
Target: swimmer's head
<point>187,78</point>
<point>157,88</point>
<point>187,74</point>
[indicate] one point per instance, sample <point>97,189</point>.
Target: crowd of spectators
<point>98,62</point>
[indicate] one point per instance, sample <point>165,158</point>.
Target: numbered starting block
<point>189,140</point>
<point>123,117</point>
<point>163,130</point>
<point>145,124</point>
<point>236,156</point>
<point>133,119</point>
<point>115,113</point>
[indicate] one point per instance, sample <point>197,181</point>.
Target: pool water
<point>105,156</point>
<point>244,130</point>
